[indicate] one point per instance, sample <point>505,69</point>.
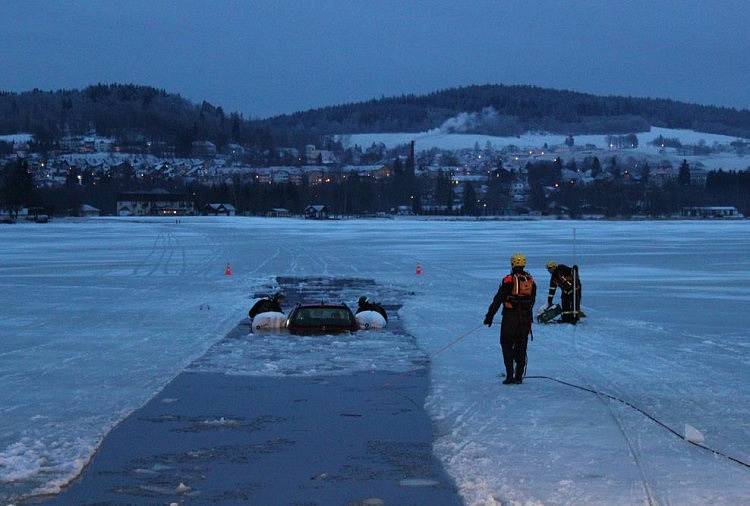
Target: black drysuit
<point>264,306</point>
<point>516,323</point>
<point>372,306</point>
<point>570,290</point>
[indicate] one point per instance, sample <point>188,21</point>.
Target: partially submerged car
<point>266,316</point>
<point>321,319</point>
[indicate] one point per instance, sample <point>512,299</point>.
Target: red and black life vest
<point>521,291</point>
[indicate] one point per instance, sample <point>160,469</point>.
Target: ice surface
<point>98,315</point>
<point>282,354</point>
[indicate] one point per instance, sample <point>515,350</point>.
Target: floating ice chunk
<point>269,320</point>
<point>181,488</point>
<point>693,435</point>
<point>370,320</point>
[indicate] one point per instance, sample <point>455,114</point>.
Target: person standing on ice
<point>566,278</point>
<point>516,295</point>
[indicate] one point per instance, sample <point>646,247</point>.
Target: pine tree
<point>470,200</point>
<point>683,177</point>
<point>645,173</point>
<point>596,167</point>
<point>17,188</point>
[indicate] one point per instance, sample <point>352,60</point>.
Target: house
<point>315,175</point>
<point>318,156</point>
<point>316,212</point>
<point>234,150</point>
<point>377,171</point>
<point>204,148</point>
<point>280,176</point>
<point>88,211</point>
<point>278,212</point>
<point>725,212</point>
<point>154,203</point>
<point>219,210</point>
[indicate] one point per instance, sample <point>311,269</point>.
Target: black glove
<point>488,320</point>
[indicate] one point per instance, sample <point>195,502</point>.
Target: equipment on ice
<point>549,313</point>
<point>370,320</point>
<point>364,304</point>
<point>270,320</point>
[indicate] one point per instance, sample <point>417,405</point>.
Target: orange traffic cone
<point>419,270</point>
<point>228,270</point>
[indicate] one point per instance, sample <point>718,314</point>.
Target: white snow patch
<point>16,138</point>
<point>438,138</point>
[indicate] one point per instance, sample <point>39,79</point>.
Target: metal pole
<point>576,309</point>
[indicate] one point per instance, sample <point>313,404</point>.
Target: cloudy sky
<point>268,57</point>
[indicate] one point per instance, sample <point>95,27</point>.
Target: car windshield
<point>314,316</point>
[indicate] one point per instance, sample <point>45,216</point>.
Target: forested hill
<point>510,110</point>
<point>126,112</point>
<point>133,113</point>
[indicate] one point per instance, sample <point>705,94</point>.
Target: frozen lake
<point>97,315</point>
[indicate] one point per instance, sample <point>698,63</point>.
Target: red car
<point>321,319</point>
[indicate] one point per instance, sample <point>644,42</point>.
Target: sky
<point>269,57</point>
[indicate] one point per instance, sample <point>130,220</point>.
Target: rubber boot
<point>509,379</point>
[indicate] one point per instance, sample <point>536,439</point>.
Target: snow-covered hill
<point>438,138</point>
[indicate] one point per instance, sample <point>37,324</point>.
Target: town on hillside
<point>92,175</point>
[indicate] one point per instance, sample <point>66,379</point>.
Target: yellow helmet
<point>551,265</point>
<point>518,260</point>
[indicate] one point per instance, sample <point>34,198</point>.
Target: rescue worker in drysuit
<point>516,294</point>
<point>363,304</point>
<point>566,278</point>
<point>266,304</point>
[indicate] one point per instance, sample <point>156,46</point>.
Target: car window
<point>322,316</point>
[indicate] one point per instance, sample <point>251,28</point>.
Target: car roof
<point>322,305</point>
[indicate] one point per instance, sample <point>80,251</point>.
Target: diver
<point>363,304</point>
<point>267,304</point>
<point>567,279</point>
<point>516,295</point>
